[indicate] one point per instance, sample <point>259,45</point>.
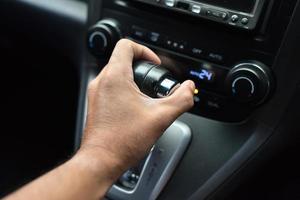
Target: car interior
<point>241,139</point>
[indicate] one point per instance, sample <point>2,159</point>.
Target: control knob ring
<point>250,82</point>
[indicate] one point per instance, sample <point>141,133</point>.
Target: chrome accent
<point>159,165</point>
<point>252,71</point>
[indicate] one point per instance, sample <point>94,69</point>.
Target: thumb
<point>182,99</point>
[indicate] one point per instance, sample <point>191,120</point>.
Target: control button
<point>183,5</point>
<point>224,16</point>
<point>245,21</point>
<point>180,46</point>
<point>196,91</point>
<point>234,18</point>
<point>139,33</point>
<point>169,43</point>
<point>210,102</point>
<point>175,45</point>
<point>214,103</point>
<point>154,37</point>
<point>170,3</point>
<point>215,57</point>
<point>166,87</point>
<point>195,52</point>
<point>196,9</point>
<point>217,14</point>
<point>197,99</point>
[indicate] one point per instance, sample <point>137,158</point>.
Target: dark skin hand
<point>122,126</point>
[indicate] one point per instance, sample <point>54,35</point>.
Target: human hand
<point>123,123</point>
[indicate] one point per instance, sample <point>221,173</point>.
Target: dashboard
<point>231,65</point>
<point>232,51</point>
<point>242,55</point>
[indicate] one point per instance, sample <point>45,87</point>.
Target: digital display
<point>203,75</point>
<point>246,6</point>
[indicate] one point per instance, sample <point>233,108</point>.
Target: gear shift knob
<point>154,80</point>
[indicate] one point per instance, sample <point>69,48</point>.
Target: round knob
<point>102,37</point>
<point>154,80</point>
<point>250,82</point>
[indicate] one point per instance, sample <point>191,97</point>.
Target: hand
<point>123,123</point>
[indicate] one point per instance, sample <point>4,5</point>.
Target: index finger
<point>126,51</point>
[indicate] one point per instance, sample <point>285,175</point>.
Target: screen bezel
<point>257,6</point>
<point>253,16</point>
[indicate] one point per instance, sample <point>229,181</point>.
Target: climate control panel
<point>225,93</point>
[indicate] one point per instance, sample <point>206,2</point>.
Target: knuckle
<point>186,96</point>
<point>124,42</point>
<point>191,85</point>
<point>107,81</point>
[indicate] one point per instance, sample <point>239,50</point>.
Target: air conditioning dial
<point>102,38</point>
<point>250,82</point>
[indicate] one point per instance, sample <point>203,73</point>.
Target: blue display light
<point>204,75</point>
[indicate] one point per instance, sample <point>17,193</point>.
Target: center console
<point>229,60</point>
<point>230,50</point>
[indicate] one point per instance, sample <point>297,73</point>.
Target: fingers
<point>181,100</point>
<point>127,51</point>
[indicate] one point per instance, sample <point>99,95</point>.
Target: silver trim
<point>99,34</point>
<point>91,77</point>
<point>244,78</point>
<point>113,23</point>
<point>174,89</point>
<point>268,78</point>
<point>252,15</point>
<point>170,3</point>
<point>254,65</point>
<point>220,8</point>
<point>196,9</point>
<point>159,165</point>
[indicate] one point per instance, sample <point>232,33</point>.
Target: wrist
<point>104,168</point>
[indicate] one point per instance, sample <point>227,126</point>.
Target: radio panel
<point>241,14</point>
